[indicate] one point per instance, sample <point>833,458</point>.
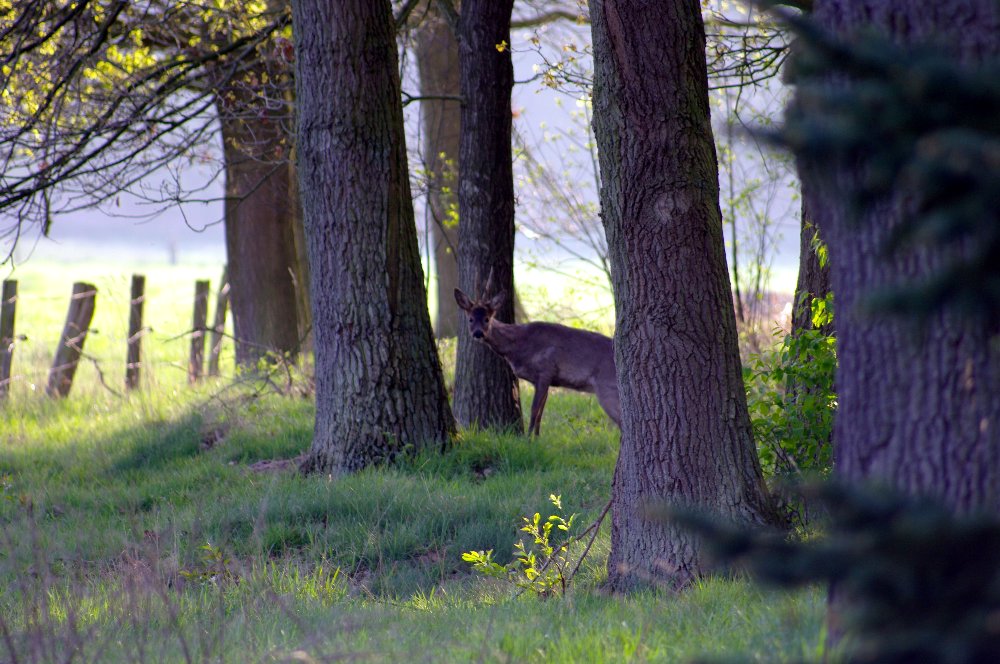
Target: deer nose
<point>478,334</point>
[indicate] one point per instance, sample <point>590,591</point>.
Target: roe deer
<point>547,355</point>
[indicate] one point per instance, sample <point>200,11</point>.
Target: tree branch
<point>548,17</point>
<point>409,99</point>
<point>451,17</point>
<point>404,13</point>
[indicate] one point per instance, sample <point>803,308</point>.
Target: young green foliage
<point>543,565</point>
<point>792,401</point>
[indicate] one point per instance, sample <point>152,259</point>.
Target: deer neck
<point>502,337</point>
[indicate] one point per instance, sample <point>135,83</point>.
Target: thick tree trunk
<point>814,278</point>
<point>686,436</point>
<point>379,387</point>
<point>437,64</point>
<point>919,408</point>
<point>486,391</point>
<point>260,220</point>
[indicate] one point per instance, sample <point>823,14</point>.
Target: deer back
<point>555,354</point>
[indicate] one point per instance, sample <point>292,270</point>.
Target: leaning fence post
<point>8,305</point>
<point>198,331</point>
<point>219,324</point>
<point>81,313</point>
<point>133,359</point>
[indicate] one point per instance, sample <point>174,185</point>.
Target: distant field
<point>44,290</point>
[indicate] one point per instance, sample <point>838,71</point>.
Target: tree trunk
<point>686,436</point>
<point>814,277</point>
<point>379,386</point>
<point>260,214</point>
<point>437,64</point>
<point>298,237</point>
<point>301,273</point>
<point>8,308</point>
<point>486,391</point>
<point>919,409</point>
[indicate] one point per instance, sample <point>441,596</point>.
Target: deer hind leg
<point>537,406</point>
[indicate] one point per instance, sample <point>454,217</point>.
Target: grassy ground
<point>137,529</point>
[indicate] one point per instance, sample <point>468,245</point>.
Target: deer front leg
<point>537,406</point>
<point>607,396</point>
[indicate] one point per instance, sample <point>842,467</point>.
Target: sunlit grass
<point>44,291</point>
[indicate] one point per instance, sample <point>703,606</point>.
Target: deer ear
<point>497,301</point>
<point>463,300</point>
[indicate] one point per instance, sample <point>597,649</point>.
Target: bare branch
<point>409,99</point>
<point>404,13</point>
<point>548,17</point>
<point>451,17</point>
<point>71,129</point>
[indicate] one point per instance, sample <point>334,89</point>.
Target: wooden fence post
<point>81,313</point>
<point>8,305</point>
<point>133,360</point>
<point>198,331</point>
<point>219,324</point>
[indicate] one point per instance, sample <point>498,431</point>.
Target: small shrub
<point>213,568</point>
<point>792,400</point>
<point>545,565</point>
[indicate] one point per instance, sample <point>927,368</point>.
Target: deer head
<point>480,311</point>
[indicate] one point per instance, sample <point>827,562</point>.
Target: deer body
<point>548,355</point>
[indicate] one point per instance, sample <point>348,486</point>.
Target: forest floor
<point>171,525</point>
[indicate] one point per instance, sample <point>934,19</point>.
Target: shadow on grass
<point>157,446</point>
<point>395,530</point>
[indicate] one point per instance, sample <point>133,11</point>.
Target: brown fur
<point>548,355</point>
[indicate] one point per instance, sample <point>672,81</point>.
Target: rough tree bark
<point>486,391</point>
<point>686,434</point>
<point>437,65</point>
<point>260,219</point>
<point>379,386</point>
<point>918,408</point>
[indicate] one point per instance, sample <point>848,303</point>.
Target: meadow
<point>156,526</point>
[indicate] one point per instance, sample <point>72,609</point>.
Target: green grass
<point>130,531</point>
<point>107,511</point>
